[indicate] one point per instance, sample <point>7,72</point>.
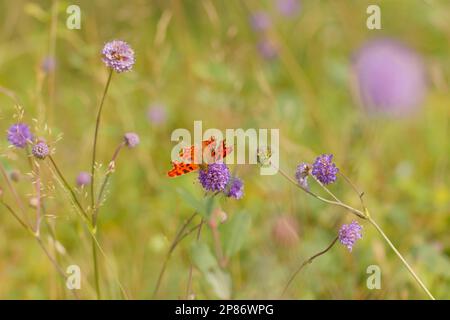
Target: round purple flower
<point>288,8</point>
<point>390,77</point>
<point>215,177</point>
<point>267,48</point>
<point>40,150</point>
<point>236,188</point>
<point>157,114</point>
<point>118,56</point>
<point>324,169</point>
<point>349,233</point>
<point>83,179</point>
<point>19,134</point>
<point>302,173</point>
<point>131,139</point>
<point>260,21</point>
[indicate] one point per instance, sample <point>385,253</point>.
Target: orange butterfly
<point>209,150</point>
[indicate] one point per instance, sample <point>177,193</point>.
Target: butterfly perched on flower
<point>209,152</point>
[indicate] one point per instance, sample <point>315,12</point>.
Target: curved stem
<point>364,215</point>
<point>415,276</point>
<point>97,125</point>
<point>22,223</point>
<point>179,236</point>
<point>94,151</point>
<point>189,285</point>
<point>13,191</point>
<point>310,260</point>
<point>96,208</point>
<point>358,213</point>
<point>111,169</point>
<point>39,241</point>
<point>68,187</point>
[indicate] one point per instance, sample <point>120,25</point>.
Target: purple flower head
<point>40,150</point>
<point>131,139</point>
<point>236,188</point>
<point>118,56</point>
<point>83,179</point>
<point>157,114</point>
<point>302,173</point>
<point>267,49</point>
<point>19,135</point>
<point>324,169</point>
<point>260,21</point>
<point>215,177</point>
<point>390,77</point>
<point>349,233</point>
<point>288,8</point>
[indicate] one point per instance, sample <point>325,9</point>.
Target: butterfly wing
<point>189,154</point>
<point>222,151</point>
<point>180,168</point>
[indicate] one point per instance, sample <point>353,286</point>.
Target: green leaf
<point>236,232</point>
<point>204,260</point>
<point>193,202</point>
<point>220,281</point>
<point>204,206</point>
<point>209,206</point>
<point>202,257</point>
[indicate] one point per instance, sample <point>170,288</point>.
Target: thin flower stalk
<point>94,148</point>
<point>308,261</point>
<point>189,283</point>
<point>175,242</point>
<point>366,216</point>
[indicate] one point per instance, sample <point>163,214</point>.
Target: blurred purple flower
<point>131,139</point>
<point>40,150</point>
<point>157,114</point>
<point>349,233</point>
<point>288,8</point>
<point>302,173</point>
<point>236,188</point>
<point>48,64</point>
<point>391,77</point>
<point>324,169</point>
<point>19,135</point>
<point>83,178</point>
<point>118,56</point>
<point>215,177</point>
<point>267,49</point>
<point>260,21</point>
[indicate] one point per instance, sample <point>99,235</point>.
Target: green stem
<point>22,223</point>
<point>39,241</point>
<point>97,125</point>
<point>189,285</point>
<point>68,187</point>
<point>415,276</point>
<point>111,169</point>
<point>94,151</point>
<point>179,236</point>
<point>96,269</point>
<point>310,260</point>
<point>13,191</point>
<point>364,215</point>
<point>357,212</point>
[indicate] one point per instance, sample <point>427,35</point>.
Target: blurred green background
<point>200,60</point>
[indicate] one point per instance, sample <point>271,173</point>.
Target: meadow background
<point>202,60</point>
